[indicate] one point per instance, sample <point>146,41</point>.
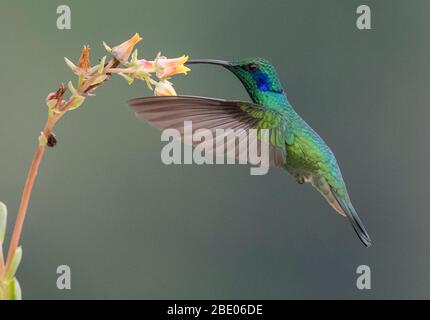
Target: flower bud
<point>84,66</point>
<point>123,51</point>
<point>164,88</point>
<point>84,60</point>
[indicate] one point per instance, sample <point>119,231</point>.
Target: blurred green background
<point>131,227</point>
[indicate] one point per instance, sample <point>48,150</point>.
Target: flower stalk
<point>89,78</point>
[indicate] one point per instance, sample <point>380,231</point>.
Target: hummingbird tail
<point>353,218</point>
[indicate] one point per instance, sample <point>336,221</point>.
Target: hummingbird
<point>294,145</point>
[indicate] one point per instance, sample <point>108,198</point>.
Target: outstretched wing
<point>209,113</point>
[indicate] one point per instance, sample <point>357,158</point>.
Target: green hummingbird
<point>294,145</point>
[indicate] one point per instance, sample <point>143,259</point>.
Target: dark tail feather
<point>353,217</point>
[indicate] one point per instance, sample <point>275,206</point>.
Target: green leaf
<point>3,221</point>
<point>70,64</point>
<point>102,65</point>
<point>16,260</point>
<point>72,88</point>
<point>80,81</point>
<point>99,79</point>
<point>127,78</point>
<point>76,102</point>
<point>134,57</point>
<point>14,290</point>
<point>108,49</point>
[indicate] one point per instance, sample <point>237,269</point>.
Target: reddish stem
<point>26,194</point>
<point>34,168</point>
<point>28,187</point>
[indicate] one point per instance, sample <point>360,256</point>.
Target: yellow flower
<point>123,51</point>
<point>164,88</point>
<point>165,68</point>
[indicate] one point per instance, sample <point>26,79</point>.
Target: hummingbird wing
<point>208,113</point>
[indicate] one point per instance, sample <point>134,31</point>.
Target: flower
<point>84,61</point>
<point>123,51</point>
<point>137,69</point>
<point>165,68</point>
<point>84,66</point>
<point>141,69</point>
<point>148,66</point>
<point>164,88</point>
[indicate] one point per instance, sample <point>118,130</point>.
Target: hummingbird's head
<point>256,74</point>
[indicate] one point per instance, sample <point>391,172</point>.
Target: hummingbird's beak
<point>223,63</point>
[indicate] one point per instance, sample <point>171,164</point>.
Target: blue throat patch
<point>263,82</point>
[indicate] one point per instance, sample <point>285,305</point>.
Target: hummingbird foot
<point>300,179</point>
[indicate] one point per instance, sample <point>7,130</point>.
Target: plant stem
<point>24,203</point>
<point>34,168</point>
<point>26,194</point>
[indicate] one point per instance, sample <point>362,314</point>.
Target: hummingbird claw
<point>300,179</point>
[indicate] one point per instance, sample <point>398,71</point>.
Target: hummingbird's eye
<point>250,67</point>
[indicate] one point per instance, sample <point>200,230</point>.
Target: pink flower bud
<point>123,51</point>
<point>164,88</point>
